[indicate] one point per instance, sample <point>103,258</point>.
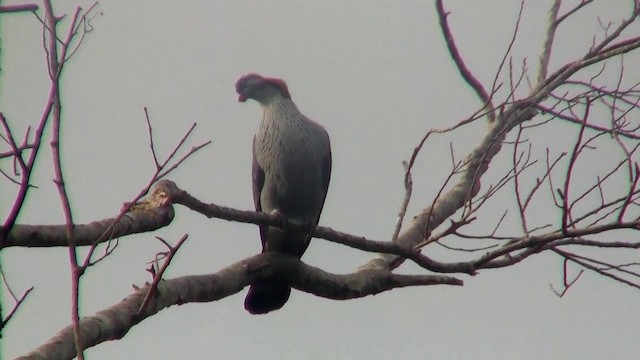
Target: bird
<point>291,170</point>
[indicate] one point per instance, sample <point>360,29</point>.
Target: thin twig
<point>584,264</point>
<point>173,250</point>
<point>565,281</point>
<point>566,207</point>
<point>150,132</point>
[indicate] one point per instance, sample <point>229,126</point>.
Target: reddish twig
<point>565,282</point>
<point>583,262</point>
<point>602,47</point>
<point>17,300</point>
<point>157,275</point>
<point>56,61</point>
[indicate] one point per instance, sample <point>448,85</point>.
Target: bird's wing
<point>325,173</point>
<point>257,176</point>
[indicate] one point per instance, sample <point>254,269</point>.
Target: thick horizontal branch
<point>179,196</point>
<point>516,251</point>
<point>18,8</point>
<point>134,222</point>
<point>149,218</point>
<point>113,323</point>
<point>145,218</point>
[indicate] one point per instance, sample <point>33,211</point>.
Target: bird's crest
<point>253,81</point>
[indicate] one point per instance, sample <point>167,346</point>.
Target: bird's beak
<point>242,98</point>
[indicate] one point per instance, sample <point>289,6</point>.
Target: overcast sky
<point>377,75</point>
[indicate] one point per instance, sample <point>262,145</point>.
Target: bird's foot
<point>290,223</point>
<point>282,220</point>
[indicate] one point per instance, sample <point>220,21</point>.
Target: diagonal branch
<point>545,56</point>
<point>114,322</point>
<point>457,58</point>
<point>467,187</point>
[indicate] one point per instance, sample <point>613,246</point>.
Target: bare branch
<point>590,126</point>
<point>545,56</point>
<point>116,321</point>
<point>602,47</point>
<point>408,185</point>
<point>15,308</point>
<point>173,250</point>
<point>586,265</point>
<point>457,58</point>
<point>582,4</point>
<point>179,196</point>
<point>17,300</point>
<point>138,221</point>
<point>565,282</point>
<point>150,132</point>
<point>537,243</point>
<point>566,206</point>
<point>18,8</point>
<point>468,186</point>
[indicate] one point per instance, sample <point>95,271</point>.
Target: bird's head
<point>262,89</point>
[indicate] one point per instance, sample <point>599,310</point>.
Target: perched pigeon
<point>291,172</point>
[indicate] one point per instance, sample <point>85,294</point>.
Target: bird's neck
<point>268,96</point>
<point>276,102</point>
<point>280,107</point>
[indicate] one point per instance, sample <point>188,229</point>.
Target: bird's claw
<point>282,220</point>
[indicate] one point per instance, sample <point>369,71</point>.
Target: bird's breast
<point>290,156</point>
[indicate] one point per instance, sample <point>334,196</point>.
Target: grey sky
<point>377,75</point>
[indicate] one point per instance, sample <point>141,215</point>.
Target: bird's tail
<point>265,296</point>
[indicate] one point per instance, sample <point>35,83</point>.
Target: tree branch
<point>18,8</point>
<point>545,56</point>
<point>467,187</point>
<point>113,323</point>
<point>457,58</point>
<point>138,221</point>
